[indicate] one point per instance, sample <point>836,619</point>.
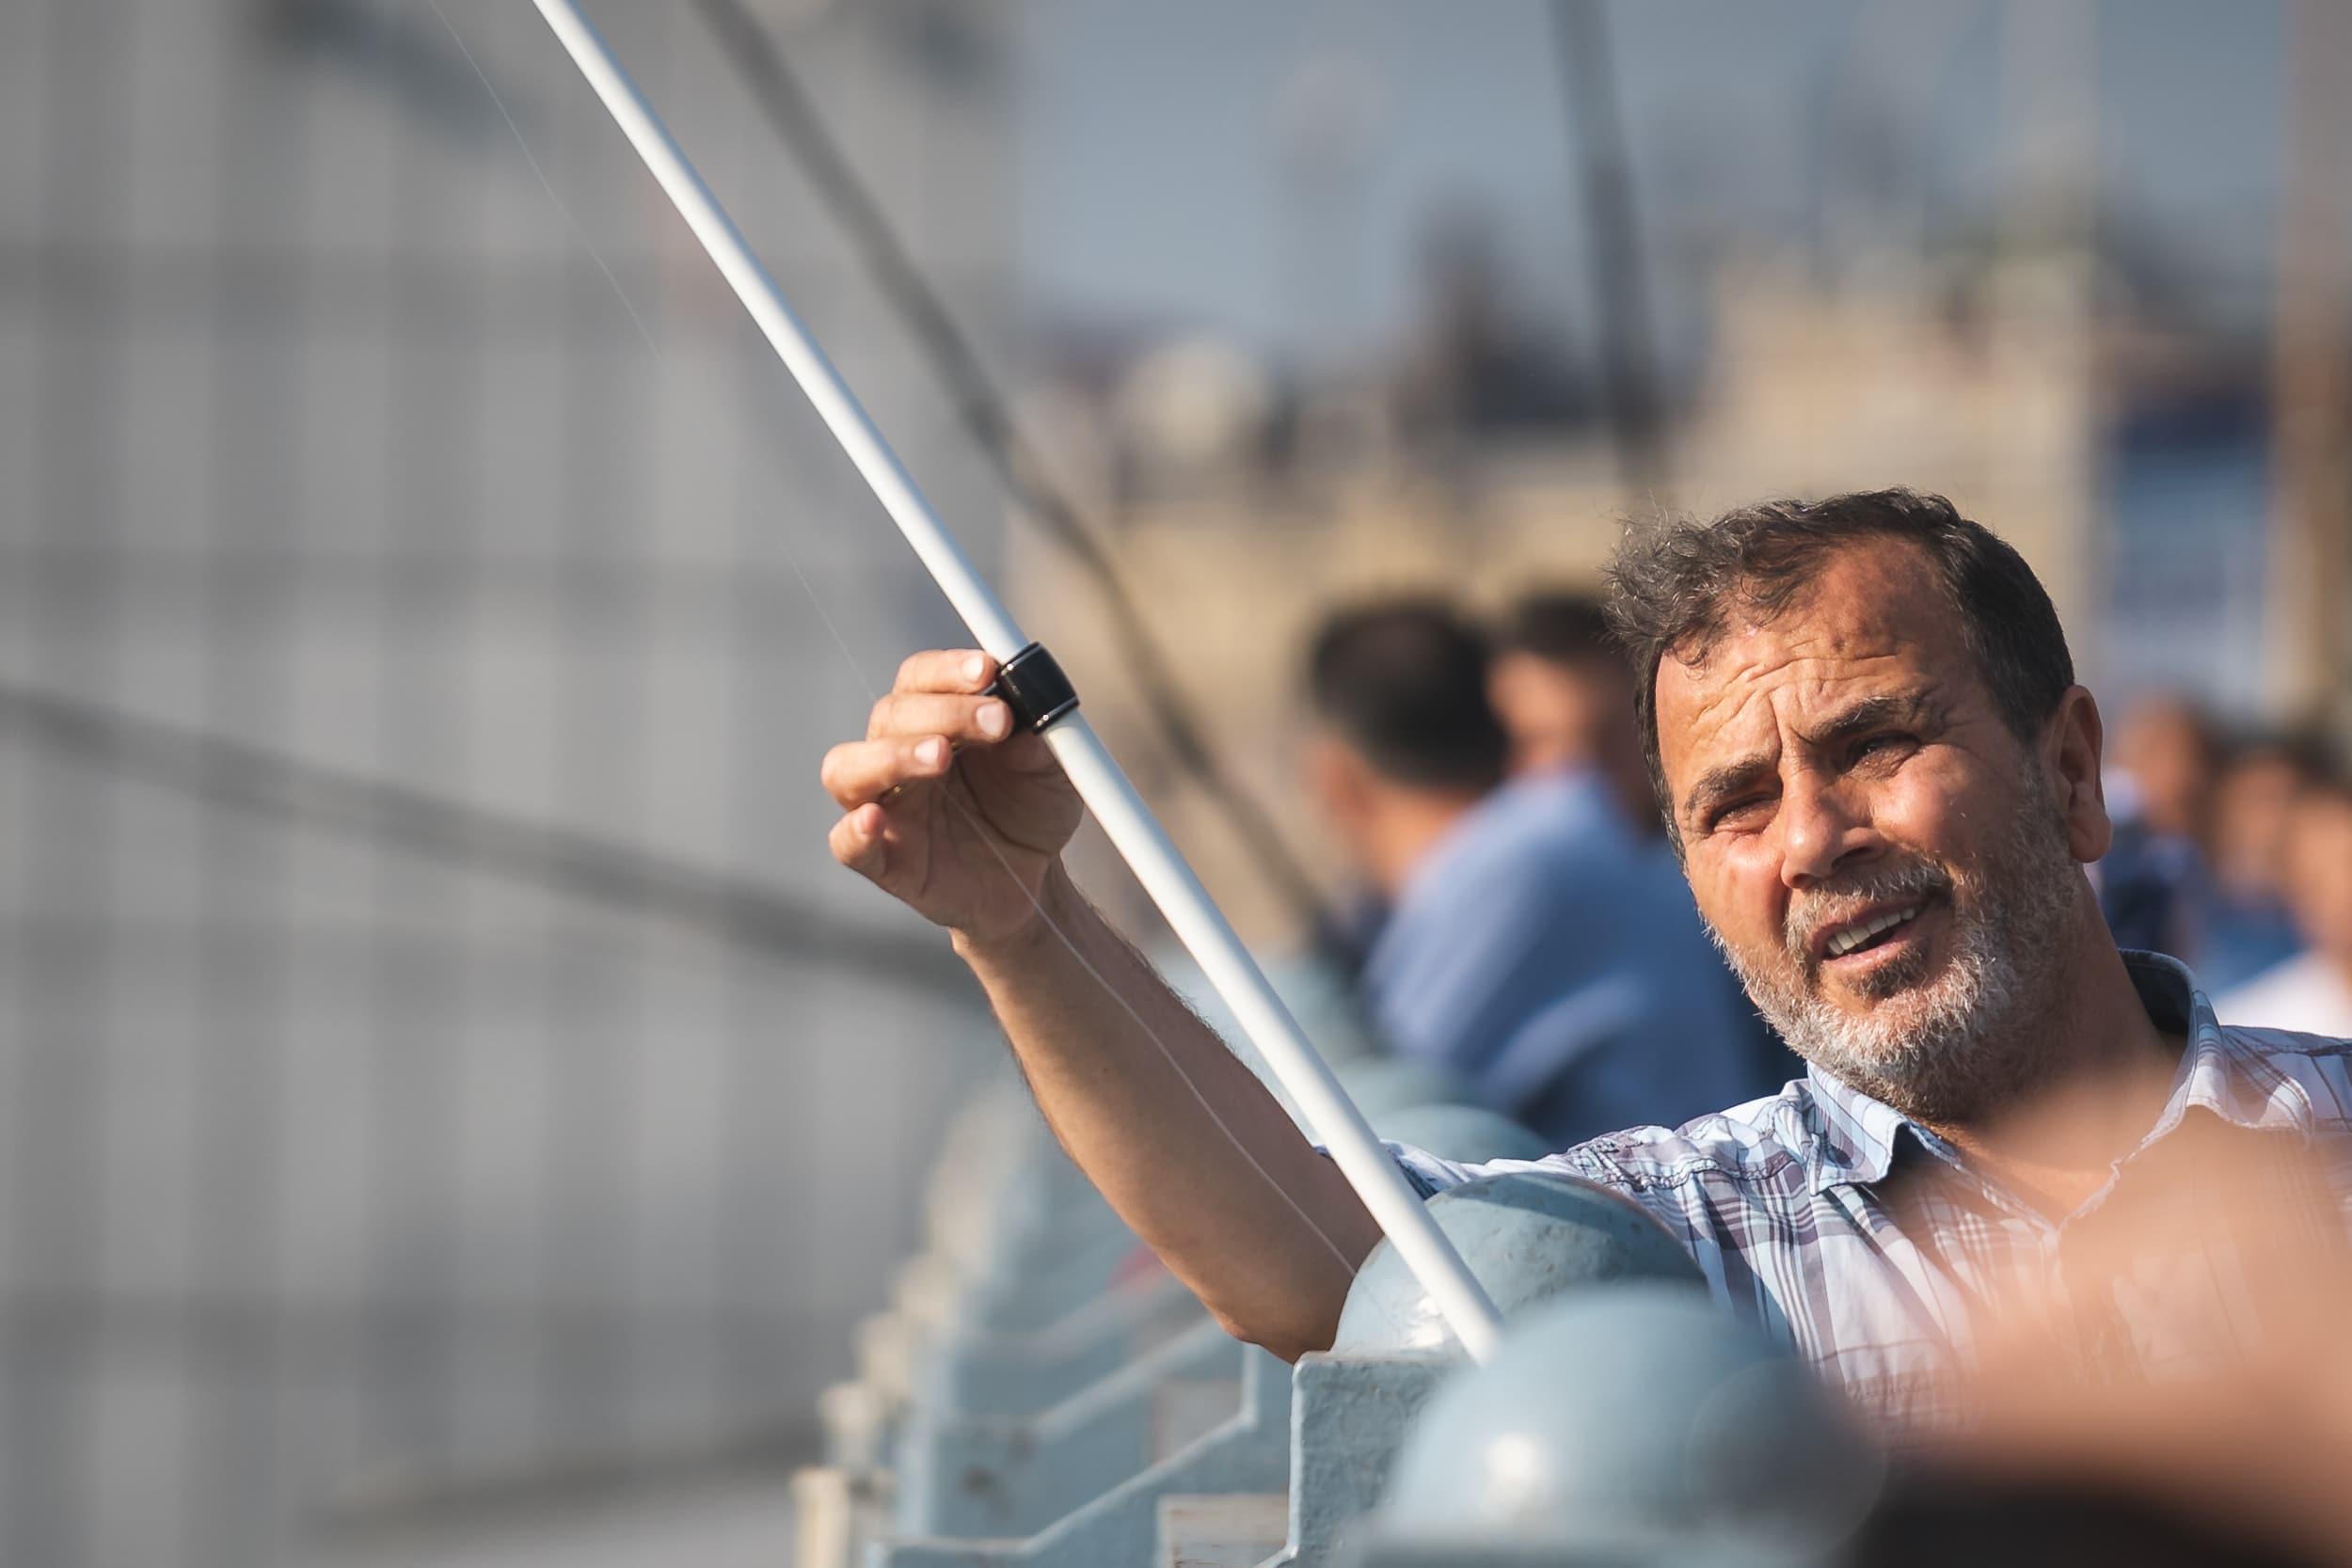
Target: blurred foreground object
<point>1635,1424</point>
<point>2228,1395</point>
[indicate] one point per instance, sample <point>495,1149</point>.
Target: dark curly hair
<point>1674,580</point>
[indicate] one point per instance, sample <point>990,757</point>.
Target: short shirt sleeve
<point>1430,1175</point>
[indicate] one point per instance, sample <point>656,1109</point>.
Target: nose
<point>1821,828</point>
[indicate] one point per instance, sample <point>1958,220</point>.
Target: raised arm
<point>966,826</point>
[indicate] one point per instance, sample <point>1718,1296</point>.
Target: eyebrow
<point>1873,713</point>
<point>1861,718</point>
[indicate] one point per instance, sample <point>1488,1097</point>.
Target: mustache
<point>1849,896</point>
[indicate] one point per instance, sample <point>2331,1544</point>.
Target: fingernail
<point>996,719</point>
<point>931,752</point>
<point>974,666</point>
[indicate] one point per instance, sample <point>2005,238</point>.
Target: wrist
<point>1057,900</point>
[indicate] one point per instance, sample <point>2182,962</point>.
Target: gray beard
<point>1962,1046</point>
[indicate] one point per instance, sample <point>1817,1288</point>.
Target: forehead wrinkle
<point>1871,609</point>
<point>1724,709</point>
<point>1906,704</point>
<point>1812,686</point>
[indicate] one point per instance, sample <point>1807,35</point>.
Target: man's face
<point>1890,869</point>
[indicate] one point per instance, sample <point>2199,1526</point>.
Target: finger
<point>965,721</point>
<point>946,669</point>
<point>857,842</point>
<point>859,772</point>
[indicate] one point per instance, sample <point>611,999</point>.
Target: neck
<point>1401,835</point>
<point>2105,1073</point>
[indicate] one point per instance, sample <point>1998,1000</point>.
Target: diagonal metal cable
<point>572,864</point>
<point>987,417</point>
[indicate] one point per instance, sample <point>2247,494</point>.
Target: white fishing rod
<point>1034,685</point>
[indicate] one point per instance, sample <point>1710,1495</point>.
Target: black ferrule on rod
<point>1031,683</point>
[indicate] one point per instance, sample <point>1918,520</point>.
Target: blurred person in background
<point>1530,943</point>
<point>2311,993</point>
<point>1405,745</point>
<point>2168,748</point>
<point>1562,690</point>
<point>1561,686</point>
<point>2159,788</point>
<point>2243,924</point>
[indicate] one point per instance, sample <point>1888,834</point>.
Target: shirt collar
<point>1857,1136</point>
<point>2225,1071</point>
<point>1855,1133</point>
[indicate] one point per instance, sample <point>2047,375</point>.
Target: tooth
<point>1846,942</point>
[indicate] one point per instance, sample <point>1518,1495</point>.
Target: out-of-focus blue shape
<point>1528,1236</point>
<point>1631,1424</point>
<point>1541,952</point>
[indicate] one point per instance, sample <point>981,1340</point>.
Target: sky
<point>1166,180</point>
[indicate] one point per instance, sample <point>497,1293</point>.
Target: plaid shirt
<point>1861,1241</point>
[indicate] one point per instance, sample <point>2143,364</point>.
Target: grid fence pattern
<point>333,1174</point>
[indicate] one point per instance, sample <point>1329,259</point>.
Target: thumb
<point>859,842</point>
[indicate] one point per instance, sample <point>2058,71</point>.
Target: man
<point>1529,945</point>
<point>1559,685</point>
<point>1402,743</point>
<point>1862,721</point>
<point>2160,799</point>
<point>2313,991</point>
<point>2243,924</point>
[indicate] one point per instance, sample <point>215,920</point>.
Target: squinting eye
<point>1730,815</point>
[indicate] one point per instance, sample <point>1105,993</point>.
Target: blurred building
<point>343,1179</point>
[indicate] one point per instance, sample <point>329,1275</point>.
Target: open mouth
<point>1881,931</point>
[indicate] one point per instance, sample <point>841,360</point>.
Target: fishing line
<point>1472,1339</point>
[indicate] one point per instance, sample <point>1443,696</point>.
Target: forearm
<point>1182,1139</point>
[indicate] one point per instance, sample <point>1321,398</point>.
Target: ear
<point>1335,777</point>
<point>2071,748</point>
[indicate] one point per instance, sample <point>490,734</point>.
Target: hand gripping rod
<point>1106,791</point>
